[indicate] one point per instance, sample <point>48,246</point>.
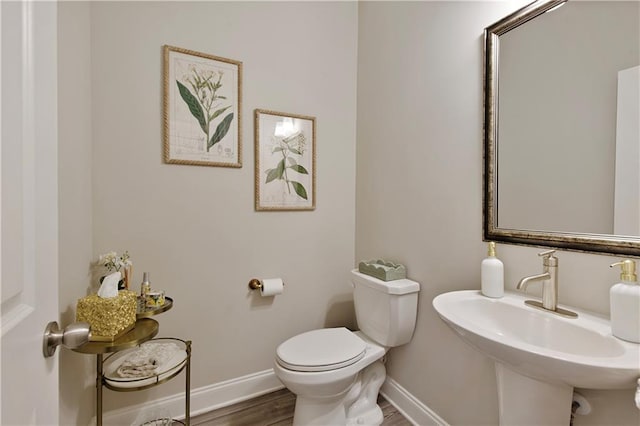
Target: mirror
<point>562,127</point>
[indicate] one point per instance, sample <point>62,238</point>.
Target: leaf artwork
<point>202,100</point>
<point>287,147</point>
<point>193,104</point>
<point>299,189</point>
<point>221,130</point>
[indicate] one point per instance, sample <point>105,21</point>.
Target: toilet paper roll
<point>271,287</point>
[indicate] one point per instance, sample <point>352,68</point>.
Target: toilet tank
<point>386,310</point>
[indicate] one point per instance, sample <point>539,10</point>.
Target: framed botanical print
<point>285,151</point>
<point>202,109</point>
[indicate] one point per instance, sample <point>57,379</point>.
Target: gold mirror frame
<point>584,242</point>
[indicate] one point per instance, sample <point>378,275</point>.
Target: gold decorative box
<point>110,318</point>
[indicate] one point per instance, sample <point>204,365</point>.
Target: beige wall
<point>194,228</point>
<point>419,196</point>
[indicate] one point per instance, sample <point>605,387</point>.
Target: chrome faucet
<point>549,279</point>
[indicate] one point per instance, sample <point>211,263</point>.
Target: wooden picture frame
<point>202,109</point>
<point>285,157</point>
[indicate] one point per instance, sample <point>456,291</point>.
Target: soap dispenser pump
<point>492,274</point>
<point>624,298</point>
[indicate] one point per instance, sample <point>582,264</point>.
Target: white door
<point>29,206</point>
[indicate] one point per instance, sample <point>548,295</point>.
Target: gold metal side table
<point>144,330</point>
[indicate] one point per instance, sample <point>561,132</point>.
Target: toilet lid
<point>321,350</point>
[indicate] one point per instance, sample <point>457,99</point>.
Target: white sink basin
<point>578,352</point>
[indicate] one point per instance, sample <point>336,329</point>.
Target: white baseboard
<point>203,399</point>
<point>410,407</point>
<point>240,389</point>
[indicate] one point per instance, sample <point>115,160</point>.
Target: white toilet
<point>336,373</point>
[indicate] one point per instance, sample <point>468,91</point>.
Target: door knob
<point>73,336</point>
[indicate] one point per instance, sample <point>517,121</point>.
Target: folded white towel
<point>147,360</point>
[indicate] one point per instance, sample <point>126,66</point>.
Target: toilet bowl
<point>336,373</point>
<point>342,360</point>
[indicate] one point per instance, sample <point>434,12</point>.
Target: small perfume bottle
<point>145,287</point>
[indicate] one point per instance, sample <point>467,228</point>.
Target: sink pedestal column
<point>524,401</point>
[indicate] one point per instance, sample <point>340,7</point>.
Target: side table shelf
<point>149,312</point>
<point>113,380</point>
<point>145,330</point>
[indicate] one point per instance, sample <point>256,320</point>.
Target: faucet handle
<point>548,259</point>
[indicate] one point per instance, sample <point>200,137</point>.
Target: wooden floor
<point>276,409</point>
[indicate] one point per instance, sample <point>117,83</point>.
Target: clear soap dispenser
<point>492,274</point>
<point>624,298</point>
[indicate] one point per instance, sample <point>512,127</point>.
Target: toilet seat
<point>321,350</point>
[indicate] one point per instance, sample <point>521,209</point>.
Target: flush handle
<point>73,336</point>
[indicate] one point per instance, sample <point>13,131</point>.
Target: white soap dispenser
<point>624,298</point>
<point>492,274</point>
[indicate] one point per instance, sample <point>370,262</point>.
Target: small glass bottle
<point>145,287</point>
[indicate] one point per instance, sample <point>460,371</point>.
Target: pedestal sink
<point>540,356</point>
